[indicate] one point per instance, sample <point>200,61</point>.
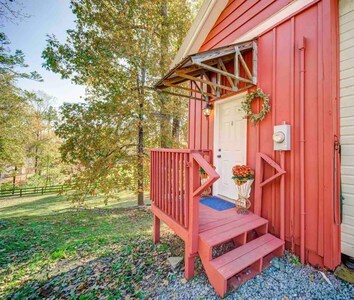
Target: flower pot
<point>239,182</point>
<point>243,188</point>
<point>207,191</point>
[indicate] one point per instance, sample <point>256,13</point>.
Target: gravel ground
<point>283,280</point>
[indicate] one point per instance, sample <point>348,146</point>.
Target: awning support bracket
<point>196,68</point>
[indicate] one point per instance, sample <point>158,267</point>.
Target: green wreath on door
<point>246,105</point>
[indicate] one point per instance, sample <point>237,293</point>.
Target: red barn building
<point>301,54</point>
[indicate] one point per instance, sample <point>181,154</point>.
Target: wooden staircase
<point>175,193</point>
<point>254,248</point>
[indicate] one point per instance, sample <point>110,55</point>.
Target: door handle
<point>219,156</point>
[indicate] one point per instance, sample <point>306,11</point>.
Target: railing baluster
<point>175,195</point>
<point>153,182</point>
<point>159,179</point>
<point>173,155</point>
<point>186,192</point>
<point>158,171</point>
<point>163,182</point>
<point>171,184</point>
<point>183,185</point>
<point>152,169</point>
<point>168,174</point>
<point>155,173</point>
<point>179,199</point>
<point>166,182</point>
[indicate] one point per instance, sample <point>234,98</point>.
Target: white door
<point>230,143</point>
<point>346,28</point>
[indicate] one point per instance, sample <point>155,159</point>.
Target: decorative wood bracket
<point>195,69</point>
<point>260,159</point>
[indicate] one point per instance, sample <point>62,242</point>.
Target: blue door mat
<point>217,203</point>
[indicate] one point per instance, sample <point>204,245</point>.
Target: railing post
<point>258,188</point>
<point>193,228</point>
<point>156,230</point>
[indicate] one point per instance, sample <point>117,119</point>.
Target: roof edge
<point>201,26</point>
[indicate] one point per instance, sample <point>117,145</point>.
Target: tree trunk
<point>164,117</point>
<point>164,123</point>
<point>36,160</point>
<point>141,140</point>
<point>36,155</point>
<point>14,178</point>
<point>47,173</point>
<point>175,130</point>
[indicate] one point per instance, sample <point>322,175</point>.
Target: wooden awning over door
<point>192,74</point>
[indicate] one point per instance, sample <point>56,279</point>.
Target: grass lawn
<point>48,249</point>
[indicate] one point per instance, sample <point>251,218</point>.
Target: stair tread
<point>225,232</point>
<point>240,258</point>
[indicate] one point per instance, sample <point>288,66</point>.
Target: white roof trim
<point>202,25</point>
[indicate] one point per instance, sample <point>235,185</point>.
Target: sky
<point>29,35</point>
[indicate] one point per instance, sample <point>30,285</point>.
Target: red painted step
<point>244,256</point>
<point>226,232</point>
<point>252,255</point>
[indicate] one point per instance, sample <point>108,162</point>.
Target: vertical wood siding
<point>346,29</point>
<point>238,17</point>
<point>279,76</point>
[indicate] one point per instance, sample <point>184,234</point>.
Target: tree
<point>11,10</point>
<point>25,118</point>
<point>116,51</point>
<point>14,123</point>
<point>42,116</point>
<point>14,116</point>
<point>11,62</point>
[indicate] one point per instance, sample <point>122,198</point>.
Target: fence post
<point>42,190</point>
<point>20,192</point>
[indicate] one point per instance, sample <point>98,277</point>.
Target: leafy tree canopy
<point>14,107</point>
<point>11,62</point>
<point>117,50</point>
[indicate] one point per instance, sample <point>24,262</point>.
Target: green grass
<point>45,238</point>
<point>49,204</point>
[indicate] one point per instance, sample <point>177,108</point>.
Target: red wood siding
<point>279,76</point>
<point>239,17</point>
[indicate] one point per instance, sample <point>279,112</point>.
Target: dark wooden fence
<point>19,192</point>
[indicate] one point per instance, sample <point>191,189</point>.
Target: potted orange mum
<point>243,176</point>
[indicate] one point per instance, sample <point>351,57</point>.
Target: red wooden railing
<point>170,183</point>
<point>260,183</point>
<point>175,179</point>
<point>175,190</point>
